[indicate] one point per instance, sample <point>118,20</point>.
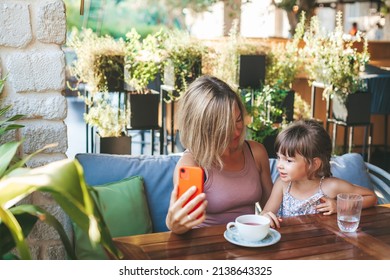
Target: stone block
<point>49,106</point>
<point>51,27</point>
<point>42,231</point>
<point>37,70</point>
<point>35,250</point>
<point>37,134</point>
<point>8,137</point>
<point>43,159</point>
<point>54,252</point>
<point>43,198</point>
<point>15,24</point>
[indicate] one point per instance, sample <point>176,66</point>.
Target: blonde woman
<point>237,173</point>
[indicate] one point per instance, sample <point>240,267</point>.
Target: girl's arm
<point>273,203</point>
<point>337,186</point>
<point>262,162</point>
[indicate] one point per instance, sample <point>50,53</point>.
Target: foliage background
<point>146,16</point>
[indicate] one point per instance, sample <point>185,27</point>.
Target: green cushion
<point>125,210</point>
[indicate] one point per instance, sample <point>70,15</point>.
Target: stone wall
<point>31,35</point>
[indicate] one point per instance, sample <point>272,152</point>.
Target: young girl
<point>305,185</point>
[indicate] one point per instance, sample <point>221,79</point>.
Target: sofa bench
<point>157,172</point>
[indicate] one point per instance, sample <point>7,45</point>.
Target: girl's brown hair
<point>309,139</point>
<point>206,119</point>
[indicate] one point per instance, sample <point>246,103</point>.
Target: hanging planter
<point>269,144</point>
<point>183,62</point>
<point>110,72</point>
<point>252,71</point>
<point>156,83</point>
<point>355,110</point>
<point>181,75</point>
<point>287,107</point>
<point>266,136</point>
<point>113,145</point>
<point>144,111</point>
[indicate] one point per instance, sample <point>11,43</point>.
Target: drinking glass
<point>349,208</point>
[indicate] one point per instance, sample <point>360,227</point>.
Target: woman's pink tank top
<point>232,193</point>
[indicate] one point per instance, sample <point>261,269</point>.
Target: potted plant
<point>144,60</point>
<point>230,58</point>
<point>63,180</point>
<point>143,68</point>
<point>111,121</point>
<point>184,61</point>
<point>272,105</point>
<point>100,64</point>
<point>336,63</point>
<point>284,62</point>
<point>260,105</point>
<point>100,61</point>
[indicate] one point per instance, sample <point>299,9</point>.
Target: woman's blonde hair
<point>309,139</point>
<point>206,119</point>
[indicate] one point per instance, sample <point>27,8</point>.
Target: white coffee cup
<point>250,228</point>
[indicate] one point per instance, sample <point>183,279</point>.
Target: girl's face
<point>235,140</point>
<point>292,168</point>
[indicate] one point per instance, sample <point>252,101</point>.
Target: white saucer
<point>272,238</point>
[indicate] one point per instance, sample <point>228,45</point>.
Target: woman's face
<point>235,139</point>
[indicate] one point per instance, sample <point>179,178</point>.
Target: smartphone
<point>190,176</point>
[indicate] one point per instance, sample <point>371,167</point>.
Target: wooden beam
<point>82,7</point>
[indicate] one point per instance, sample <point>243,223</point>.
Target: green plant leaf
<point>10,221</point>
<point>47,218</point>
<point>7,243</point>
<point>65,181</point>
<point>21,163</point>
<point>7,153</point>
<point>11,119</point>
<point>15,118</point>
<point>4,110</point>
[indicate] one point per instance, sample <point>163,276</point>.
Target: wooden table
<point>303,237</point>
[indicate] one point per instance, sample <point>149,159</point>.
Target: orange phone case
<point>190,176</point>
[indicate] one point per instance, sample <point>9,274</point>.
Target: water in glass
<point>348,223</point>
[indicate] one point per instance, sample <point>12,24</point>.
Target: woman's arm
<point>178,219</point>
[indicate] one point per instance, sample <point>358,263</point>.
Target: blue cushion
<point>351,167</point>
<point>156,170</point>
<point>274,169</point>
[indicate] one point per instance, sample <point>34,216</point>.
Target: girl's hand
<point>327,206</point>
<point>275,221</point>
<point>179,220</point>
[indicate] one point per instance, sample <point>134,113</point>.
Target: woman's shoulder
<point>260,156</point>
<point>187,159</point>
<point>257,147</point>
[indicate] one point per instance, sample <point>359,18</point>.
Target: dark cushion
<point>124,208</point>
<point>157,171</point>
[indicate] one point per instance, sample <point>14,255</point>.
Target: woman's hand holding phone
<point>188,204</point>
<point>190,177</point>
